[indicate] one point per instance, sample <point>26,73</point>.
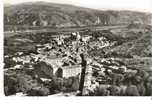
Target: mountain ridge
<point>59,15</point>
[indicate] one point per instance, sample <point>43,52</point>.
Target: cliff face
<point>59,15</point>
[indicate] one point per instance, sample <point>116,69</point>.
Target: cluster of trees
<point>21,18</point>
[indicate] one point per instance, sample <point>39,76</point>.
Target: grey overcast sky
<point>135,5</point>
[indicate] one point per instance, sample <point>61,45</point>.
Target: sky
<point>134,5</point>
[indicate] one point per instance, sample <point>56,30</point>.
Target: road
<point>47,29</point>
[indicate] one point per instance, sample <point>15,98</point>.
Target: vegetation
<point>57,15</point>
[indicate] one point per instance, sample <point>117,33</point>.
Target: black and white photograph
<point>55,48</point>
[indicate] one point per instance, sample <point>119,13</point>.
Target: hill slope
<point>59,15</point>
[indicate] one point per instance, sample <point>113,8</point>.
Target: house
<point>44,23</point>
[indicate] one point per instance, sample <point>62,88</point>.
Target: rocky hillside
<point>60,15</point>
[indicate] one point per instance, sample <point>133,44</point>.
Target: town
<point>55,67</point>
<point>67,50</point>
